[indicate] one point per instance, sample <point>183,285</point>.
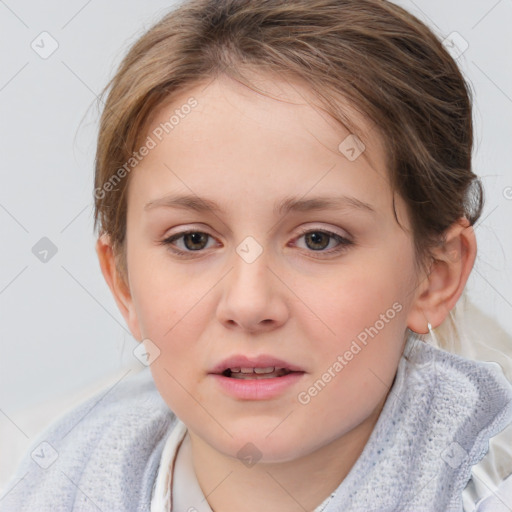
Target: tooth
<point>246,370</point>
<point>253,377</point>
<point>269,369</point>
<point>235,370</point>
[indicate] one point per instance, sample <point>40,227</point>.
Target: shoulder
<point>105,452</point>
<point>481,396</point>
<point>490,485</point>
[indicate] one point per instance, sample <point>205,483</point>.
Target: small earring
<point>432,334</point>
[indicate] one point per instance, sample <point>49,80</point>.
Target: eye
<point>318,240</point>
<point>194,241</point>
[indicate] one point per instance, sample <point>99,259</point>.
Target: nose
<point>254,296</point>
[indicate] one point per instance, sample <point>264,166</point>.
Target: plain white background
<point>60,329</point>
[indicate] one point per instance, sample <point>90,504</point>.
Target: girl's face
<point>295,255</point>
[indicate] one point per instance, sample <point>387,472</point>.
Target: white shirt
<point>176,487</point>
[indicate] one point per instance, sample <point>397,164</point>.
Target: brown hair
<point>384,61</point>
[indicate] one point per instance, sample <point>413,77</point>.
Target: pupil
<point>314,236</point>
<point>196,239</point>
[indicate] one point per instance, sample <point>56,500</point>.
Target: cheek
<point>172,315</point>
<point>360,336</point>
<point>173,308</point>
<point>164,294</point>
<point>356,362</point>
<point>371,292</point>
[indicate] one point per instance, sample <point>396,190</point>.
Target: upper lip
<point>261,361</point>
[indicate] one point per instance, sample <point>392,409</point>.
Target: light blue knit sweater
<point>435,425</point>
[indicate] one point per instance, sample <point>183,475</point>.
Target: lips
<point>255,373</point>
<point>262,366</point>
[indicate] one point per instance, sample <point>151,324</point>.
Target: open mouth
<point>256,373</point>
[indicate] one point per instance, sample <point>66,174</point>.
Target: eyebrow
<point>285,205</point>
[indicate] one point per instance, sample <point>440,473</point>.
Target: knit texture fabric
<point>435,425</point>
<point>101,456</point>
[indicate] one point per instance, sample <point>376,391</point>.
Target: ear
<point>438,292</point>
<point>118,285</point>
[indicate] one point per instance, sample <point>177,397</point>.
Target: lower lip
<point>257,389</point>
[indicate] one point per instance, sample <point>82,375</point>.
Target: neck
<point>297,485</point>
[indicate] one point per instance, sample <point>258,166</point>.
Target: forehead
<point>274,103</point>
<point>277,139</point>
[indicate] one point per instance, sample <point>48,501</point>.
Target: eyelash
<point>343,243</point>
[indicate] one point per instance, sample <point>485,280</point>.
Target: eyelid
<point>344,243</point>
<point>345,235</point>
<point>176,236</point>
<point>302,230</point>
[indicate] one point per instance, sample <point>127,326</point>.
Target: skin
<point>245,151</point>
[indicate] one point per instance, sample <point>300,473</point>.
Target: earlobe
<point>439,291</point>
<point>117,283</point>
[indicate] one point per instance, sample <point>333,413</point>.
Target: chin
<point>258,445</point>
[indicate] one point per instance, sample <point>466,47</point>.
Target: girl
<point>285,205</point>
